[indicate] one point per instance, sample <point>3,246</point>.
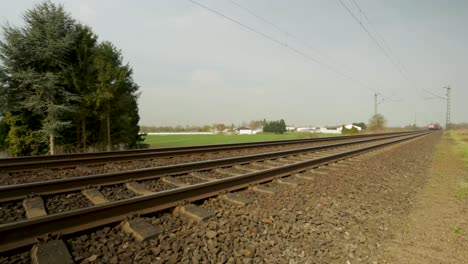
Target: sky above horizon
<point>195,67</point>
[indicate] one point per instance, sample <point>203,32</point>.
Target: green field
<point>157,141</point>
<point>461,138</point>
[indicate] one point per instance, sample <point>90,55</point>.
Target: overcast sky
<point>195,67</point>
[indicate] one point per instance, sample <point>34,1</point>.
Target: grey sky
<point>195,67</point>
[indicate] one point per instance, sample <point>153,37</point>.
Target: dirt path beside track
<point>436,229</point>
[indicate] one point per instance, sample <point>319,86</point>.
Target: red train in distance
<point>434,126</point>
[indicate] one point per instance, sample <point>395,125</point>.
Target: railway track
<point>20,191</point>
<point>54,161</point>
<point>167,187</point>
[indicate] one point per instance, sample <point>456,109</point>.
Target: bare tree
<point>377,122</point>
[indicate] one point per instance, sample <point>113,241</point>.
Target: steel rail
<point>21,191</point>
<point>24,233</point>
<point>24,163</point>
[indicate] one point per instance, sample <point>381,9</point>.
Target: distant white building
<point>307,129</point>
<point>247,131</point>
<point>329,130</point>
<point>337,129</point>
<point>290,128</point>
<point>349,127</point>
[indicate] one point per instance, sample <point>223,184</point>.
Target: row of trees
<point>278,127</point>
<point>60,89</point>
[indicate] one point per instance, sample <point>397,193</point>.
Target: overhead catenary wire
<point>436,95</point>
<point>384,41</point>
<point>382,49</point>
<point>257,16</point>
<point>284,44</point>
<point>306,44</point>
<point>288,34</point>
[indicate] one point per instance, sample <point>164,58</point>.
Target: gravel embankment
<point>336,218</point>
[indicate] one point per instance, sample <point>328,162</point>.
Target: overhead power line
<point>289,35</point>
<point>257,16</point>
<point>384,51</point>
<point>284,44</point>
<point>436,95</point>
<point>385,43</point>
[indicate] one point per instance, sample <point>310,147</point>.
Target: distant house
<point>337,129</point>
<point>247,131</point>
<point>350,127</point>
<point>330,130</point>
<point>244,131</point>
<point>290,128</point>
<point>307,129</point>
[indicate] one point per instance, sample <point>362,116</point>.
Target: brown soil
<point>436,229</point>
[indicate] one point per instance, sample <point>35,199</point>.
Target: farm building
<point>307,129</point>
<point>247,131</point>
<point>330,130</point>
<point>337,129</point>
<point>350,127</point>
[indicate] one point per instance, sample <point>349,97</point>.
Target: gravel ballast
<point>36,175</point>
<point>339,217</point>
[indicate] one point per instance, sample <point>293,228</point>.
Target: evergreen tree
<point>278,127</point>
<point>35,58</point>
<point>116,96</point>
<point>83,79</point>
<point>58,85</point>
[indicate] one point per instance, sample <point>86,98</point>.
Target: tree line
<point>61,89</point>
<point>278,127</point>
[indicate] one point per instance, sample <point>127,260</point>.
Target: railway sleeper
<point>288,181</point>
<point>235,198</point>
<point>195,212</point>
<point>291,159</point>
<point>173,181</point>
<point>315,172</point>
<point>51,252</point>
<point>246,169</point>
<point>138,188</point>
<point>95,196</point>
<point>202,176</point>
<point>224,171</point>
<point>274,163</point>
<point>140,229</point>
<point>34,207</point>
<point>303,176</point>
<point>338,165</point>
<point>263,189</point>
<point>262,166</point>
